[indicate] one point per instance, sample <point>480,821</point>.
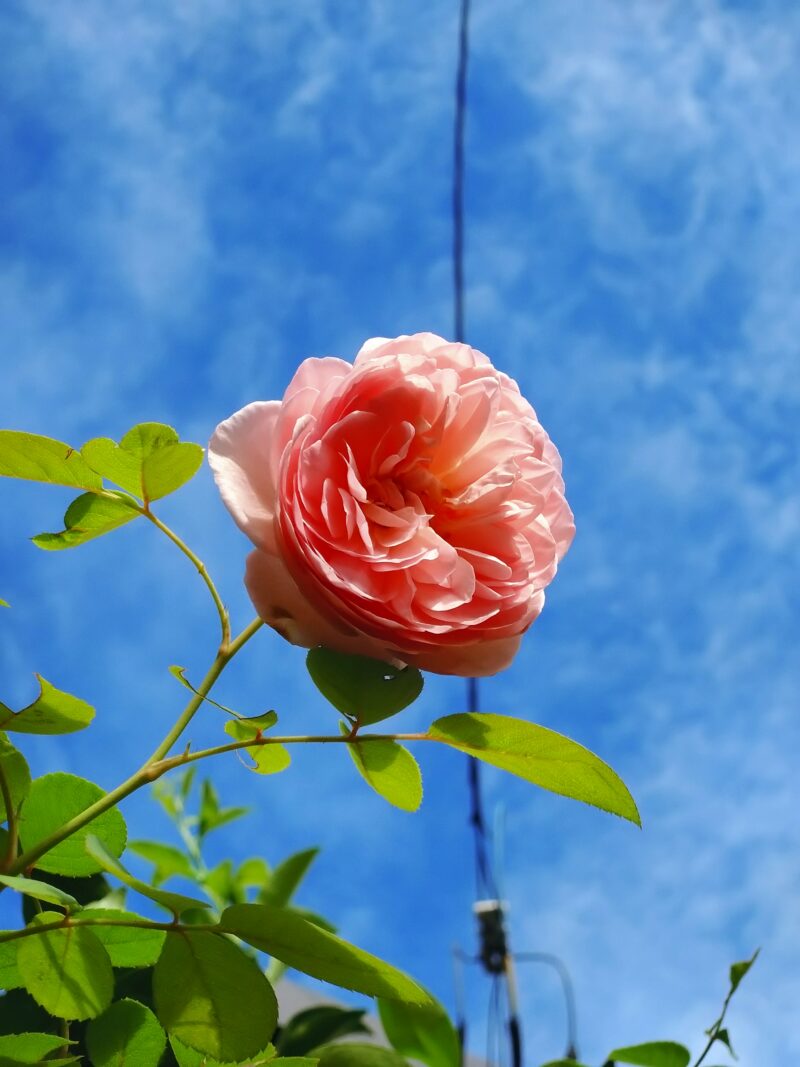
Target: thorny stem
<point>152,769</point>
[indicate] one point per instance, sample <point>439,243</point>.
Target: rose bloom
<point>407,507</point>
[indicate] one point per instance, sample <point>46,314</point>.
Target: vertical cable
<point>458,170</point>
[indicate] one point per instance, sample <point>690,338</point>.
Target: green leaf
<point>126,1035</point>
<point>300,944</point>
<point>247,729</point>
<point>87,517</point>
<point>390,770</point>
<point>739,970</point>
<point>16,773</point>
<point>4,603</point>
<point>66,970</point>
<point>317,1026</point>
<point>127,946</point>
<point>52,712</point>
<point>176,903</point>
<point>253,873</point>
<point>364,689</point>
<point>358,1056</point>
<point>149,461</point>
<point>31,887</point>
<point>724,1037</point>
<point>10,977</point>
<point>653,1054</point>
<point>563,1063</point>
<point>287,876</point>
<point>52,802</point>
<point>41,459</point>
<point>212,816</point>
<point>188,1057</point>
<point>538,755</point>
<point>422,1034</point>
<point>167,860</point>
<point>213,997</point>
<point>30,1048</point>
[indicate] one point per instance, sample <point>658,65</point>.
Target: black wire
<point>458,169</point>
<point>567,987</point>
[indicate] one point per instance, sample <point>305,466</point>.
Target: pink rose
<point>406,507</point>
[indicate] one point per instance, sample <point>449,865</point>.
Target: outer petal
<point>281,604</point>
<point>243,458</point>
<point>474,661</point>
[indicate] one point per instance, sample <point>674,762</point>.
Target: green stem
<point>715,1029</point>
<point>154,767</point>
<point>297,739</point>
<point>83,920</point>
<point>201,569</point>
<point>11,815</point>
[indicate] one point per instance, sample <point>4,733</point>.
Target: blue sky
<point>196,196</point>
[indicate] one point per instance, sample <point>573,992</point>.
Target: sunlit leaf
<point>253,873</point>
<point>166,859</point>
<point>149,461</point>
<point>42,459</point>
<point>126,1035</point>
<point>188,1057</point>
<point>87,517</point>
<point>52,712</point>
<point>127,946</point>
<point>212,996</point>
<point>295,941</point>
<point>653,1054</point>
<point>425,1034</point>
<point>364,689</point>
<point>538,755</point>
<point>4,603</point>
<point>66,970</point>
<point>16,773</point>
<point>176,903</point>
<point>10,977</point>
<point>30,1048</point>
<point>390,770</point>
<point>52,802</point>
<point>287,876</point>
<point>39,890</point>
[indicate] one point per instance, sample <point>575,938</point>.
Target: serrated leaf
<point>538,755</point>
<point>126,1035</point>
<point>298,943</point>
<point>390,770</point>
<point>422,1034</point>
<point>653,1054</point>
<point>127,946</point>
<point>287,876</point>
<point>212,996</point>
<point>149,461</point>
<point>87,517</point>
<point>358,1056</point>
<point>43,459</point>
<point>167,860</point>
<point>176,903</point>
<point>52,712</point>
<point>366,690</point>
<point>317,1026</point>
<point>10,977</point>
<point>17,775</point>
<point>30,1048</point>
<point>739,970</point>
<point>32,887</point>
<point>188,1057</point>
<point>66,970</point>
<point>52,802</point>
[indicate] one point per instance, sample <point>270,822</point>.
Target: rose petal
<point>241,457</point>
